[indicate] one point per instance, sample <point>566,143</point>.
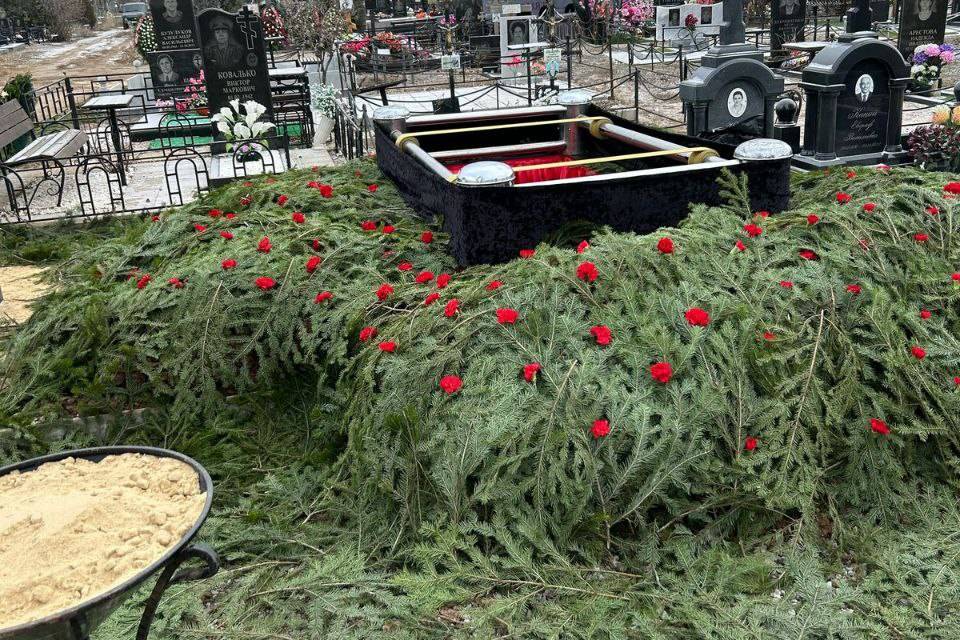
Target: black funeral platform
<point>854,91</point>
<point>504,180</point>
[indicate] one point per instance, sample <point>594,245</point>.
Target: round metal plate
<point>485,173</point>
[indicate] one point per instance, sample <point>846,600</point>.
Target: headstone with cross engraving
<point>235,58</point>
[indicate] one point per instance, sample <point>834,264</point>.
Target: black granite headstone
<point>881,10</point>
<point>170,71</point>
<point>863,108</point>
<point>174,24</point>
<point>787,20</point>
<point>234,56</point>
<point>921,22</point>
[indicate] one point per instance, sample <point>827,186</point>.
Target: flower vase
<point>322,129</point>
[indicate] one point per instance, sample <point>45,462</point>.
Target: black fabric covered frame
<point>492,224</point>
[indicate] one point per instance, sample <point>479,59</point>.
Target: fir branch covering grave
<point>414,471</point>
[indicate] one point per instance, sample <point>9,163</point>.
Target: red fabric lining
<point>540,175</point>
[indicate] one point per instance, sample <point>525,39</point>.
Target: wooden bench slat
<point>62,144</point>
<point>14,122</point>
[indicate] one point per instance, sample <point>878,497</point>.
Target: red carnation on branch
<point>426,237</point>
<point>313,263</point>
<point>384,292</point>
<point>507,316</point>
<point>404,266</point>
<point>143,281</point>
<point>387,346</point>
<point>177,283</point>
<point>587,271</point>
<point>282,200</point>
<point>423,277</point>
<point>955,276</point>
<point>323,296</point>
<point>952,188</point>
<point>879,426</point>
<point>600,428</point>
<point>665,245</point>
<point>298,217</point>
<point>752,230</point>
<point>443,280</point>
<point>451,307</point>
<point>368,225</point>
<point>264,245</point>
<point>925,314</point>
<point>265,283</point>
<point>583,246</point>
<point>750,443</point>
<point>368,333</point>
<point>854,289</point>
<point>431,298</point>
<point>869,207</point>
<point>451,384</point>
<point>229,216</point>
<point>601,333</point>
<point>316,245</point>
<point>372,188</point>
<point>527,253</point>
<point>932,210</point>
<point>851,175</point>
<point>229,263</point>
<point>214,213</point>
<point>918,352</point>
<point>813,219</point>
<point>661,372</point>
<point>199,228</point>
<point>326,191</point>
<point>786,284</point>
<point>388,229</point>
<point>921,237</point>
<point>807,254</point>
<point>740,246</point>
<point>769,335</point>
<point>496,284</point>
<point>245,201</point>
<point>762,214</point>
<point>843,198</point>
<point>226,235</point>
<point>530,371</point>
<point>697,317</point>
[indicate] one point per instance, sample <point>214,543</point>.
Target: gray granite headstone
<point>170,71</point>
<point>921,22</point>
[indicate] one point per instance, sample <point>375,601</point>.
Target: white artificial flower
<point>241,131</point>
<point>260,128</point>
<point>235,104</point>
<point>223,127</point>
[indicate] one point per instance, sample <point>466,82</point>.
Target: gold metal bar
<point>491,127</point>
<point>628,156</point>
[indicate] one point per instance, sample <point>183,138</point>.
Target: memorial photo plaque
<point>170,70</point>
<point>174,24</point>
<point>787,19</point>
<point>862,110</point>
<point>921,22</point>
<point>234,54</point>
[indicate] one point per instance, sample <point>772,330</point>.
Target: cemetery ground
<point>394,467</point>
<point>89,53</point>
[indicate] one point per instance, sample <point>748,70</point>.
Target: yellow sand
<point>73,529</point>
<point>20,286</point>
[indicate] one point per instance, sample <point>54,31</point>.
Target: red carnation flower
<point>226,235</point>
<point>313,263</point>
<point>583,246</point>
<point>807,254</point>
<point>786,284</point>
<point>530,371</point>
<point>323,296</point>
<point>426,237</point>
<point>952,188</point>
<point>843,198</point>
<point>177,283</point>
<point>752,230</point>
<point>507,316</point>
<point>214,213</point>
<point>527,253</point>
<point>602,334</point>
<point>450,309</point>
<point>199,228</point>
<point>316,245</point>
<point>384,291</point>
<point>932,210</point>
<point>405,266</point>
<point>925,314</point>
<point>313,184</point>
<point>431,298</point>
<point>769,335</point>
<point>387,346</point>
<point>282,200</point>
<point>600,428</point>
<point>661,372</point>
<point>229,263</point>
<point>326,191</point>
<point>851,174</point>
<point>245,201</point>
<point>143,281</point>
<point>155,218</point>
<point>740,246</point>
<point>854,289</point>
<point>389,228</point>
<point>451,384</point>
<point>921,237</point>
<point>697,317</point>
<point>368,333</point>
<point>813,219</point>
<point>368,225</point>
<point>955,276</point>
<point>918,352</point>
<point>423,277</point>
<point>264,283</point>
<point>956,380</point>
<point>248,184</point>
<point>587,271</point>
<point>443,280</point>
<point>762,214</point>
<point>665,245</point>
<point>372,188</point>
<point>298,217</point>
<point>869,207</point>
<point>496,284</point>
<point>750,443</point>
<point>229,216</point>
<point>264,245</point>
<point>879,426</point>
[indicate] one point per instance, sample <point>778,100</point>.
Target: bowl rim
<point>98,453</point>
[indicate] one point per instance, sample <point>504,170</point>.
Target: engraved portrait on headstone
<point>167,75</point>
<point>170,70</point>
<point>174,24</point>
<point>224,50</point>
<point>737,102</point>
<point>518,32</point>
<point>674,17</point>
<point>921,22</point>
<point>706,15</point>
<point>787,22</point>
